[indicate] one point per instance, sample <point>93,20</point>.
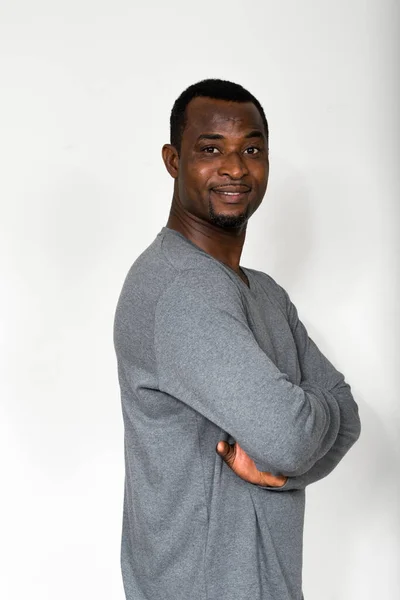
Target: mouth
<point>231,194</point>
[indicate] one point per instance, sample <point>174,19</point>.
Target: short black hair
<point>218,89</point>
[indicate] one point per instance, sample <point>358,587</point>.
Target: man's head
<point>217,89</point>
<point>218,153</point>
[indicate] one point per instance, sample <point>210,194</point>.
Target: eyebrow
<point>216,136</point>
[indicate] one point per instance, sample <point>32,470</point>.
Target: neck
<point>225,245</point>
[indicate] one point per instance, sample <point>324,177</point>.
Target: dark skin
<point>220,178</point>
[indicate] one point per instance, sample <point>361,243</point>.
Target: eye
<point>210,149</point>
<point>253,150</point>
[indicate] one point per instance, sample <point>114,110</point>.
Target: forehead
<point>207,115</point>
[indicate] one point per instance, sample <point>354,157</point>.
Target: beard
<point>228,221</point>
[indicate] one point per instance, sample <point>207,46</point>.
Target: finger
<point>226,451</point>
<point>272,480</point>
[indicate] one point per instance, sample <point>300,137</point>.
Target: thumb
<point>226,451</point>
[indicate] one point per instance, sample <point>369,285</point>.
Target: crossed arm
<point>316,368</point>
<point>208,357</point>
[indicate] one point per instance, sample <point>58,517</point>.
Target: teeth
<point>229,193</point>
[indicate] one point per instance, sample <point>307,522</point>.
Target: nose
<point>233,165</point>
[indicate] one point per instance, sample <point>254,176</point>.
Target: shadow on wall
<point>345,510</point>
<point>283,227</point>
<point>314,218</point>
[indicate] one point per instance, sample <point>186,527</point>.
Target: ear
<point>171,159</point>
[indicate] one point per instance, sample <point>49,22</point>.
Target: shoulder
<point>209,284</point>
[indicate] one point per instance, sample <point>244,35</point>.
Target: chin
<point>227,221</point>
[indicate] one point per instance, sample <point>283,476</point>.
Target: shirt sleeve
<point>208,358</point>
<point>318,370</point>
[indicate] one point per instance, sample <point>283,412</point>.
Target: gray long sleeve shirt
<point>202,357</point>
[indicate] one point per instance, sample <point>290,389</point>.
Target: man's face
<point>223,165</point>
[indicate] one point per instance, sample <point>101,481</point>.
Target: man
<point>230,409</point>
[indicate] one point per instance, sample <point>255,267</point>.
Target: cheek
<point>194,179</point>
<point>260,174</point>
<point>200,176</point>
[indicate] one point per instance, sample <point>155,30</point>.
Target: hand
<point>241,463</point>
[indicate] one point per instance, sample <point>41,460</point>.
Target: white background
<point>86,90</point>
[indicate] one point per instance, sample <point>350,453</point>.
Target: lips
<point>231,193</point>
<point>233,189</point>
